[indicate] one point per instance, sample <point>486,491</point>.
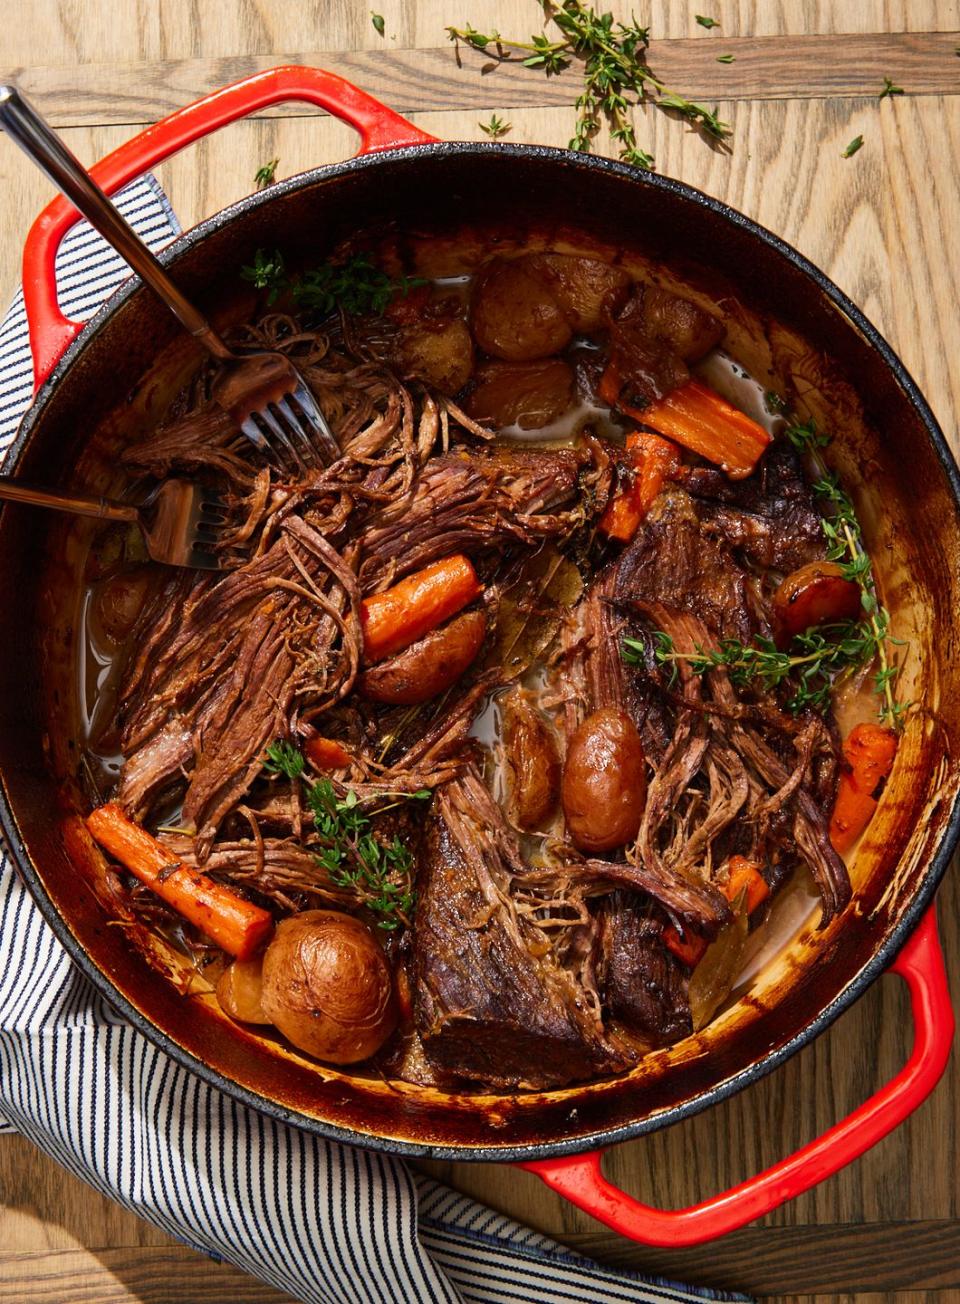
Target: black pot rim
<point>885,953</point>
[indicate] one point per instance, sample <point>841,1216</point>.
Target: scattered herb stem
<point>496,127</point>
<point>855,144</point>
<point>616,77</point>
<point>266,175</point>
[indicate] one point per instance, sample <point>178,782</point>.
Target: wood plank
<point>74,32</point>
<point>837,1259</point>
<point>128,1275</point>
<point>416,80</point>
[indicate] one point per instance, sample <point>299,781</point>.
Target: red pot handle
<point>379,127</point>
<point>580,1179</point>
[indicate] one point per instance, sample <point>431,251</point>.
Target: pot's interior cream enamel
<point>788,329</point>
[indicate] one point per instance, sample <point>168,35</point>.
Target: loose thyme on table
<point>616,77</point>
<point>820,656</point>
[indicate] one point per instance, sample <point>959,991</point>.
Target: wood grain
<point>412,80</point>
<point>885,225</point>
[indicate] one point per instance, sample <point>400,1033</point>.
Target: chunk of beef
<point>645,988</point>
<point>654,338</point>
<point>674,561</point>
<point>491,1002</point>
<point>771,516</point>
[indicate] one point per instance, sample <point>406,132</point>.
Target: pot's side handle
<point>579,1177</point>
<point>379,128</point>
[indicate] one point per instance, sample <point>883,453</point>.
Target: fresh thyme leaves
<point>806,436</point>
<point>616,77</point>
<point>816,658</point>
<point>706,22</point>
<point>283,758</point>
<point>889,89</point>
<point>726,58</point>
<point>344,842</point>
<point>266,175</point>
<point>380,872</point>
<point>378,24</point>
<point>266,273</point>
<point>496,127</point>
<point>855,144</point>
<point>356,285</point>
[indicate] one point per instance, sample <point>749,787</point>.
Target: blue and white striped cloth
<point>328,1223</point>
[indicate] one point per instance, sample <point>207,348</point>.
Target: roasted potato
<point>119,600</point>
<point>439,352</point>
<point>328,988</point>
<point>526,394</point>
<point>240,991</point>
<point>514,315</point>
<point>604,782</point>
<point>585,288</point>
<point>427,668</point>
<point>534,762</point>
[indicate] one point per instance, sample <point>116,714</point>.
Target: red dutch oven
<point>786,322</point>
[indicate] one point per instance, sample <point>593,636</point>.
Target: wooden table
<point>885,224</point>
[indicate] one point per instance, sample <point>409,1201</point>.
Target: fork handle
<point>79,504</point>
<point>24,125</point>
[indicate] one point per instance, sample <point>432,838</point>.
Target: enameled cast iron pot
<point>789,325</point>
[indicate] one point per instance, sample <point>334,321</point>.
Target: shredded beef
<point>644,987</point>
<point>673,560</point>
<point>771,516</point>
<point>491,1001</point>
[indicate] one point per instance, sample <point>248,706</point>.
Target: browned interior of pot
<point>782,326</point>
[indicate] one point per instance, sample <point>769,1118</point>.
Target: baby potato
<point>526,394</point>
<point>327,986</point>
<point>429,667</point>
<point>585,288</point>
<point>439,352</point>
<point>531,751</point>
<point>240,991</point>
<point>514,315</point>
<point>604,782</point>
<point>119,600</point>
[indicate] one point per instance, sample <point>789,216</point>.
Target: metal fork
<point>182,523</point>
<point>262,391</point>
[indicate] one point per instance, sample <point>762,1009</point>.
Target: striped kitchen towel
<point>323,1221</point>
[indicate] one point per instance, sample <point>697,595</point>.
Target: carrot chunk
<point>236,925</point>
<point>326,753</point>
<point>869,753</point>
<point>688,950</point>
<point>393,620</point>
<point>656,461</point>
<point>699,419</point>
<point>745,876</point>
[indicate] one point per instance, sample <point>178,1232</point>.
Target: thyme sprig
<point>496,127</point>
<point>819,656</point>
<point>345,845</point>
<point>355,285</point>
<point>266,272</point>
<point>816,658</point>
<point>266,175</point>
<point>616,77</point>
